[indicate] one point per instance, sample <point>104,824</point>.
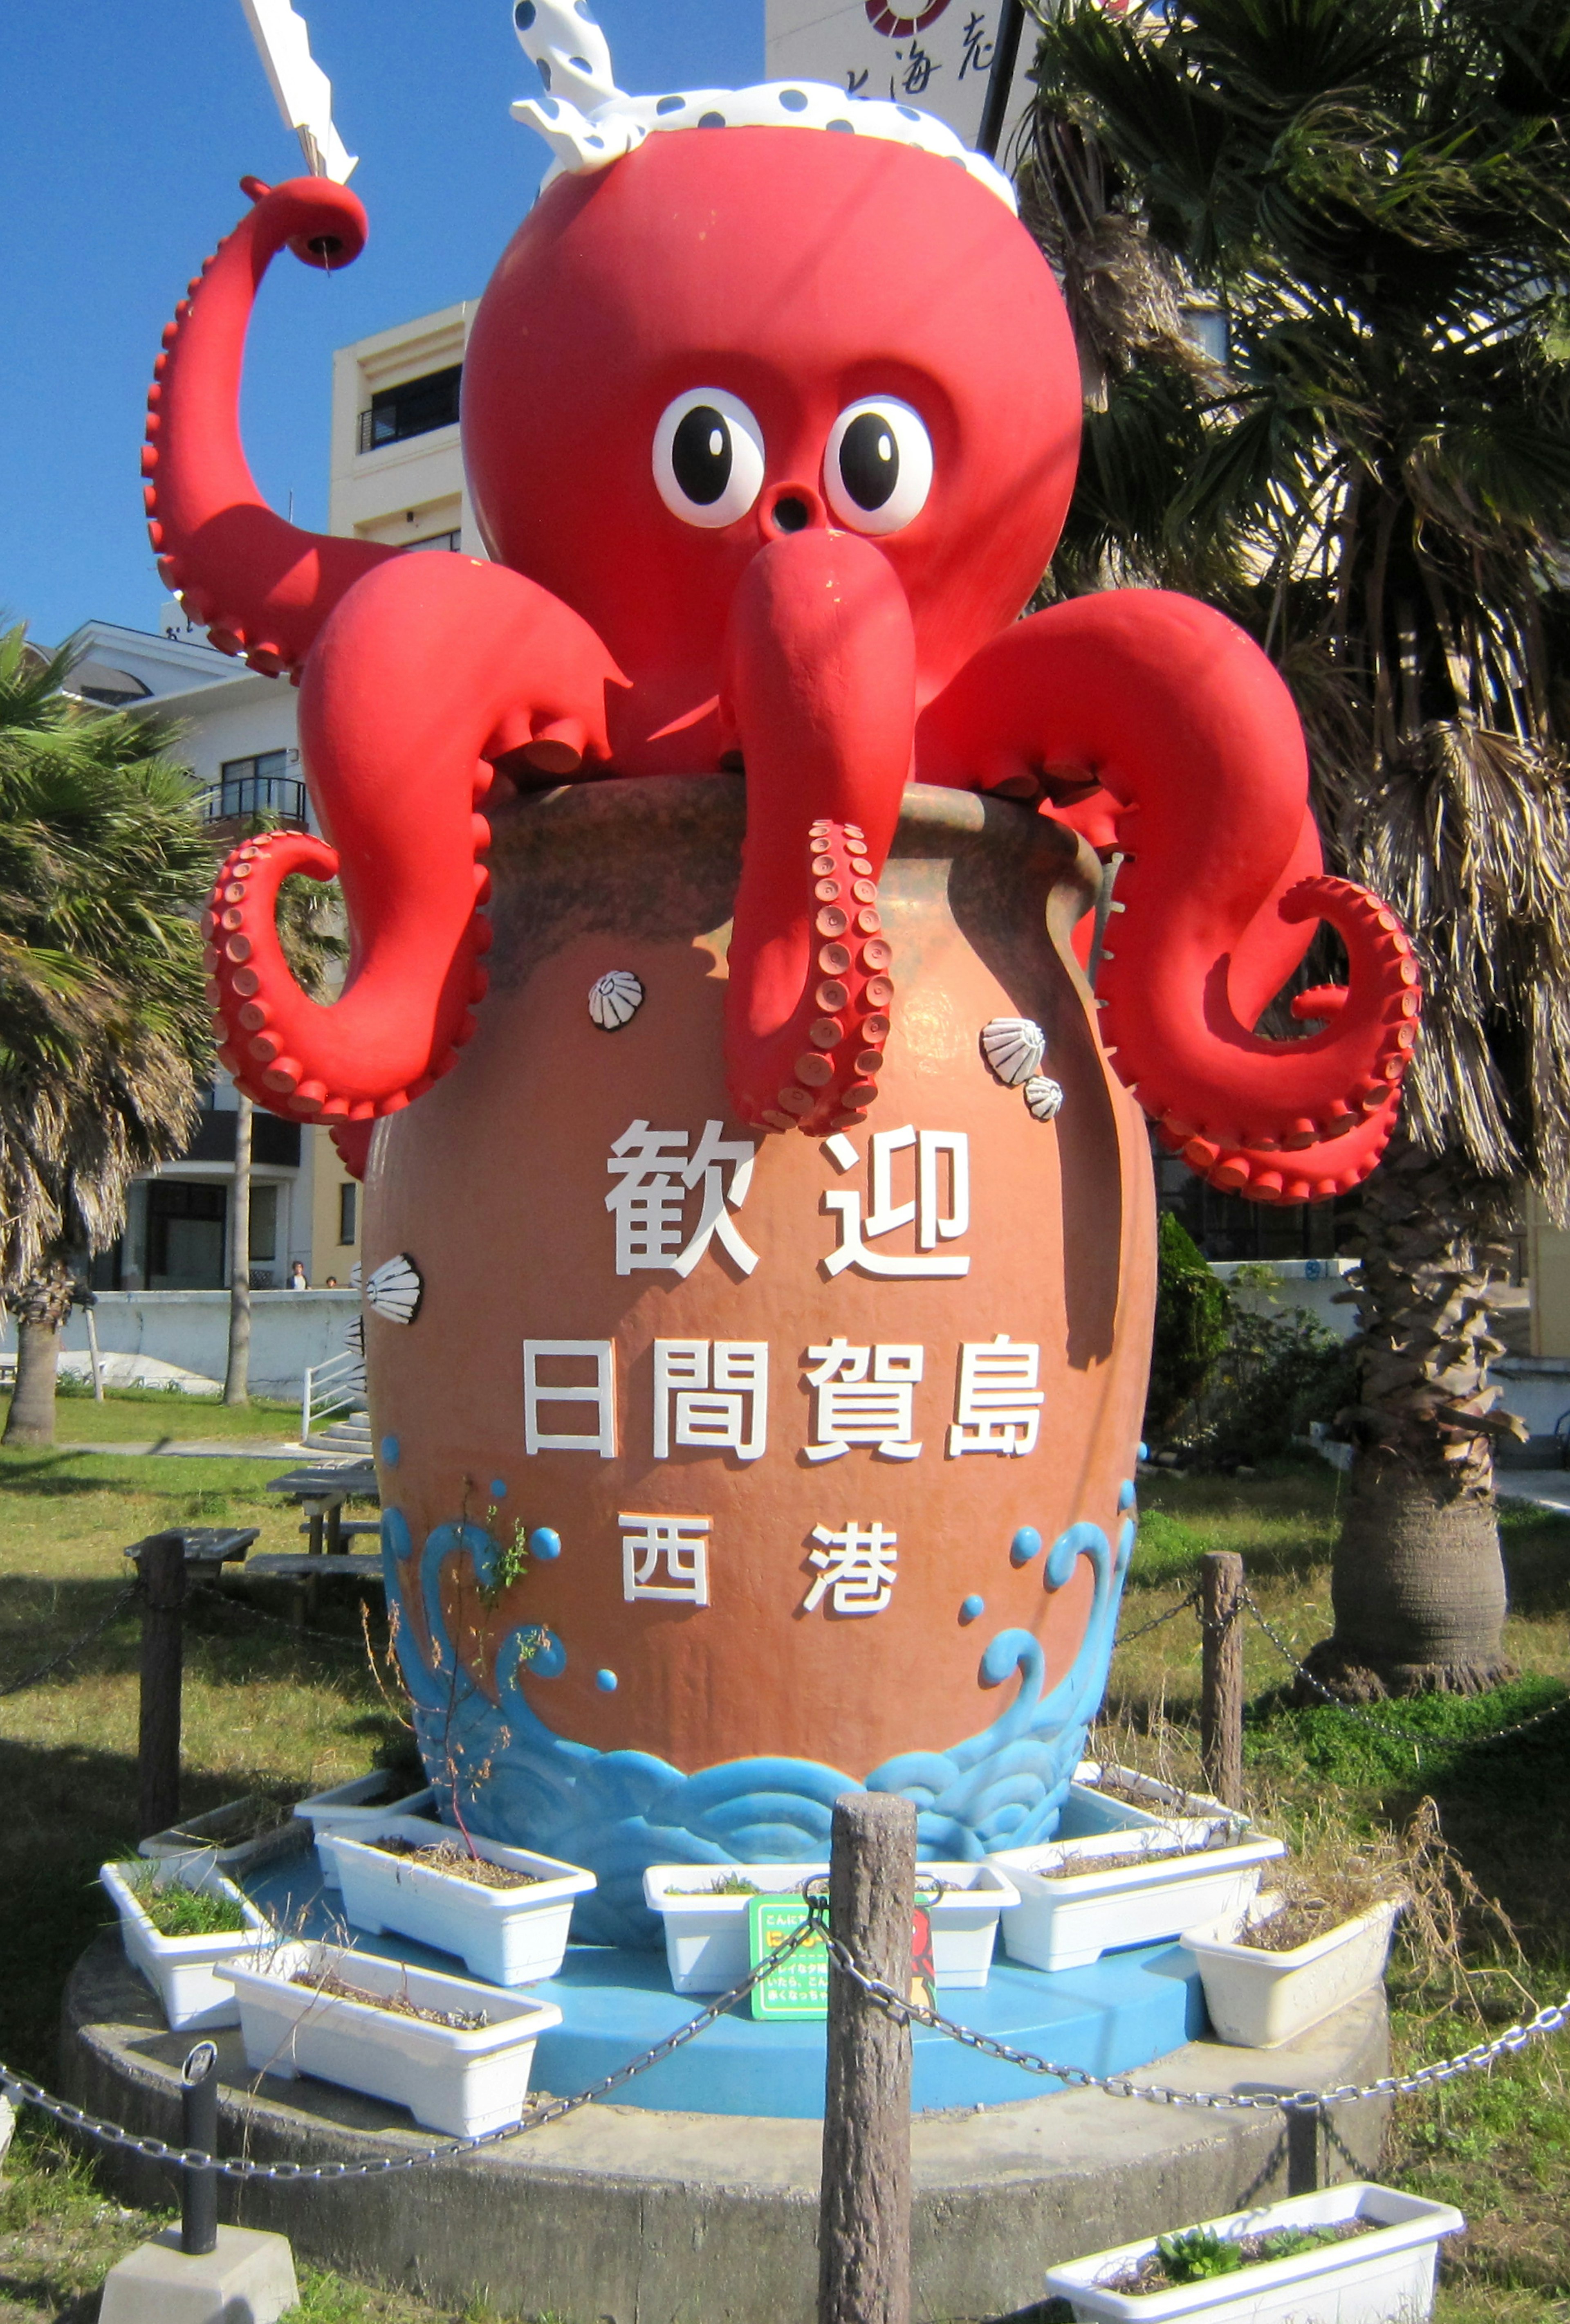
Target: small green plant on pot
<point>1197,2256</point>
<point>177,1911</point>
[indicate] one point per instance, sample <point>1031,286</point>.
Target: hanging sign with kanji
<point>937,56</point>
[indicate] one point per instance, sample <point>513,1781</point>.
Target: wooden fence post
<point>1221,1696</point>
<point>163,1565</point>
<point>864,2231</point>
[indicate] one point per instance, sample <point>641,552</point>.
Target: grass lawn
<point>266,1709</point>
<point>141,1415</point>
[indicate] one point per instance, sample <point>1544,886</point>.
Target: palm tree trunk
<point>41,1307</point>
<point>1417,1582</point>
<point>237,1371</point>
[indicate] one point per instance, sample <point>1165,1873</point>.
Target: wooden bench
<point>308,1565</point>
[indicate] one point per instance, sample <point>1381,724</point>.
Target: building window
<point>348,1205</point>
<point>264,1236</point>
<point>414,408</point>
<point>259,786</point>
<point>186,1229</point>
<point>436,540</point>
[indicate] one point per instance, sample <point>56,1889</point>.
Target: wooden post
<point>863,2229</point>
<point>1221,1696</point>
<point>163,1565</point>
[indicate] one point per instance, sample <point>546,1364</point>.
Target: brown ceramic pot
<point>865,1613</point>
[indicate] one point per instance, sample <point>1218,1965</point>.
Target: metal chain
<point>1382,1727</point>
<point>67,1654</point>
<point>208,1595</point>
<point>1127,1638</point>
<point>191,2158</point>
<point>902,2010</point>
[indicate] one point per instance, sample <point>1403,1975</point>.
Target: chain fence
<point>551,2109</point>
<point>1383,1726</point>
<point>899,2007</point>
<point>1248,1603</point>
<point>68,1654</point>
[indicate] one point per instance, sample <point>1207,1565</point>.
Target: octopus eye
<point>708,457</point>
<point>877,470</point>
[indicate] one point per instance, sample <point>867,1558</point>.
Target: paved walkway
<point>200,1448</point>
<point>1550,1489</point>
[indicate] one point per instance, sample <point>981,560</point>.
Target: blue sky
<point>126,128</point>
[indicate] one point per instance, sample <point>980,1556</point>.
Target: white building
<point>396,476</point>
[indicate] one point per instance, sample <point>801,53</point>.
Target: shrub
<point>1191,1327</point>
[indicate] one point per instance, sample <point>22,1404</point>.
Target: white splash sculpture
<point>589,122</point>
<point>304,92</point>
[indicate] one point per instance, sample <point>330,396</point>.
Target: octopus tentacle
<point>821,691</point>
<point>1156,727</point>
<point>432,670</point>
<point>262,588</point>
<point>827,1055</point>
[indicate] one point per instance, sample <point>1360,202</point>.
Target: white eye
<point>708,457</point>
<point>877,470</point>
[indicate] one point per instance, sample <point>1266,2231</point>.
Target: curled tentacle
<point>825,1060</point>
<point>432,669</point>
<point>1156,727</point>
<point>260,587</point>
<point>821,670</point>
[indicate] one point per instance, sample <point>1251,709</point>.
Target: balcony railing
<point>243,795</point>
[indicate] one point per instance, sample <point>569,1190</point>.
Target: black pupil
<point>869,460</point>
<point>701,454</point>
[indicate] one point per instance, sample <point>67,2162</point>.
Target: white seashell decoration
<point>615,999</point>
<point>395,1289</point>
<point>1042,1097</point>
<point>354,1337</point>
<point>1014,1048</point>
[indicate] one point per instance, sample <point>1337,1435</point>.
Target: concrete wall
<point>288,1331</point>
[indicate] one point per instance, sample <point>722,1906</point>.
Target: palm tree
<point>104,1031</point>
<point>311,931</point>
<point>1372,473</point>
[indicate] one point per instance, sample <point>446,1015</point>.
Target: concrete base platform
<point>1118,2013</point>
<point>621,2215</point>
<point>249,2279</point>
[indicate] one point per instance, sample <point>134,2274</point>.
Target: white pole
<point>92,1323</point>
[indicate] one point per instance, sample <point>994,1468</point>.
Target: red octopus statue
<point>770,435</point>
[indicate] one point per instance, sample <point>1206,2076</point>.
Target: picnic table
<point>322,1491</point>
<point>203,1546</point>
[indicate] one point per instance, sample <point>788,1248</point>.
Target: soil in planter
<point>396,2005</point>
<point>1075,1867</point>
<point>1202,2254</point>
<point>235,1831</point>
<point>1311,1912</point>
<point>446,1855</point>
<point>177,1911</point>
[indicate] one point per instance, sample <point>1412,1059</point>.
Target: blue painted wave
<point>618,1811</point>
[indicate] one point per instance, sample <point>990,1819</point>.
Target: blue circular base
<point>1123,2010</point>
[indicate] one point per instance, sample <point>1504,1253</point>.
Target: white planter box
<point>362,1810</point>
<point>511,1936</point>
<point>210,1840</point>
<point>462,2083</point>
<point>181,1969</point>
<point>1160,1802</point>
<point>1262,2000</point>
<point>1383,2278</point>
<point>706,1935</point>
<point>1067,1923</point>
<point>965,1919</point>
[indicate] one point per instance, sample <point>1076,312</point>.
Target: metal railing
<point>243,795</point>
<point>331,1391</point>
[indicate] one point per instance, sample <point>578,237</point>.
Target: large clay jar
<point>717,1593</point>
